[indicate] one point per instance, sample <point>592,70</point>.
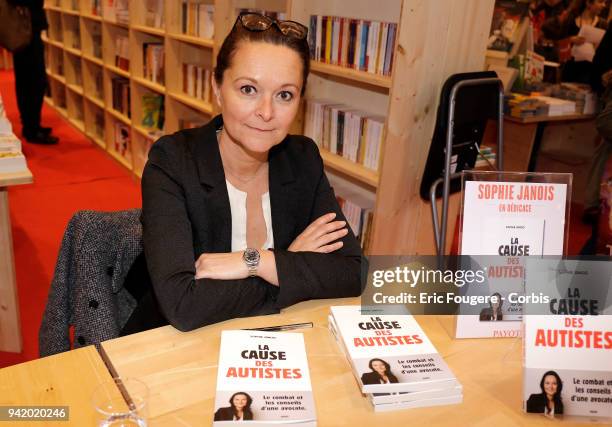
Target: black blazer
<point>374,378</point>
<point>226,414</point>
<point>487,314</point>
<point>186,212</point>
<point>537,404</point>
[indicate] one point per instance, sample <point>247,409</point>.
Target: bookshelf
<point>90,46</point>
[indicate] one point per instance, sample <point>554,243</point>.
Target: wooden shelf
<point>209,43</point>
<point>75,88</point>
<point>55,43</point>
<point>117,70</point>
<point>71,12</point>
<point>78,124</point>
<point>95,100</point>
<point>59,78</point>
<point>351,169</point>
<point>119,116</point>
<point>118,24</point>
<point>93,59</point>
<point>73,51</point>
<point>148,30</point>
<point>145,132</point>
<point>350,74</point>
<point>91,17</point>
<point>194,103</point>
<point>149,84</point>
<point>538,119</point>
<point>120,159</point>
<point>99,141</point>
<point>54,8</point>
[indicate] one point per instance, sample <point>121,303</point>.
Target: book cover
<point>390,353</point>
<point>568,342</point>
<point>263,377</point>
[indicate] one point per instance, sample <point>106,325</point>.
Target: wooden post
<point>436,39</point>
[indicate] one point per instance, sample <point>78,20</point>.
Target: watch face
<point>251,256</point>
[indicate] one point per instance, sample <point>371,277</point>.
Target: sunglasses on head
<point>258,22</point>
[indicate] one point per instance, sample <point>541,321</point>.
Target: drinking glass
<point>121,403</point>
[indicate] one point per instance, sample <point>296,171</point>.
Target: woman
<point>567,26</point>
<point>239,409</point>
<point>494,311</point>
<point>549,401</point>
<point>381,373</point>
<point>238,217</point>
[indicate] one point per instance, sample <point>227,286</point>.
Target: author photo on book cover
<point>493,313</point>
<point>239,409</point>
<point>549,401</point>
<point>380,373</point>
<point>238,216</point>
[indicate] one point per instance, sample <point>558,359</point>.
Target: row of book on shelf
<point>353,134</point>
<point>153,62</point>
<point>197,19</point>
<point>122,53</point>
<point>196,82</point>
<point>354,43</point>
<point>117,11</point>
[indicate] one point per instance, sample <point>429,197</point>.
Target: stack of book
<point>486,158</point>
<point>196,82</point>
<point>394,362</point>
<point>153,111</point>
<point>557,106</point>
<point>197,19</point>
<point>263,377</point>
<point>154,13</point>
<point>122,53</point>
<point>153,62</point>
<point>523,106</point>
<point>121,95</point>
<point>354,43</point>
<point>352,134</point>
<point>11,158</point>
<point>580,93</point>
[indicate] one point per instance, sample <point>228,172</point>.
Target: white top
<point>237,200</point>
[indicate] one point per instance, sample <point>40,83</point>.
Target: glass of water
<point>121,403</point>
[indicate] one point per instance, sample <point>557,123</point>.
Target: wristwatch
<point>251,259</point>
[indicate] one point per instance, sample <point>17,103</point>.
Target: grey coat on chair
<point>87,291</point>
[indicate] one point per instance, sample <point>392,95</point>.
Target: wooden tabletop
<point>65,379</point>
<point>538,119</point>
<point>181,368</point>
<point>16,178</point>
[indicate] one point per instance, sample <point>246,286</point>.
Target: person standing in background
<point>31,78</point>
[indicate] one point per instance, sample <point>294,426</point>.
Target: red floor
<point>68,177</point>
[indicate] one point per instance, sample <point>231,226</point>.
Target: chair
<point>97,251</point>
<point>467,102</point>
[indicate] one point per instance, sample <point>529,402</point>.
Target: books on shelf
<point>263,377</point>
<point>508,26</point>
<point>122,53</point>
<point>153,62</point>
<point>393,360</point>
<point>197,19</point>
<point>122,140</point>
<point>196,82</point>
<point>95,7</point>
<point>152,111</point>
<point>11,157</point>
<point>98,124</point>
<point>121,95</point>
<point>154,13</point>
<point>96,40</point>
<point>355,135</point>
<point>353,43</point>
<point>117,11</point>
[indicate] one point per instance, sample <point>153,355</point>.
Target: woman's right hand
<point>321,235</point>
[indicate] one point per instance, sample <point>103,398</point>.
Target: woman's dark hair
<point>499,301</point>
<point>387,366</point>
<point>578,6</point>
<point>247,409</point>
<point>273,36</point>
<point>557,395</point>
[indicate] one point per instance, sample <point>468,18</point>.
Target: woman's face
<point>379,366</point>
<point>239,401</point>
<point>260,94</point>
<point>596,6</point>
<point>550,385</point>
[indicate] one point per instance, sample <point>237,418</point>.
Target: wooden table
<point>523,137</point>
<point>180,370</point>
<point>10,329</point>
<point>65,379</point>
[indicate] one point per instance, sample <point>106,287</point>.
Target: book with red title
<point>568,339</point>
<point>389,353</point>
<point>263,378</point>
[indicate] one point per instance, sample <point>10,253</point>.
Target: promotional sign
<point>511,216</point>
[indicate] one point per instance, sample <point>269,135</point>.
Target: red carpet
<point>73,175</point>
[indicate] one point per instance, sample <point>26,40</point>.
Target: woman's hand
<point>321,235</point>
<point>223,266</point>
<point>577,40</point>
